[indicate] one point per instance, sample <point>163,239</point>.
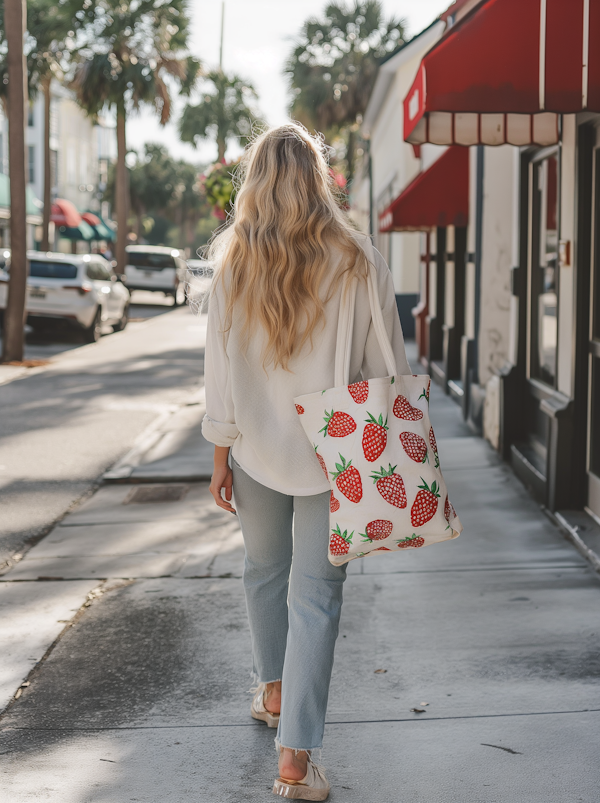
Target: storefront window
<point>544,270</point>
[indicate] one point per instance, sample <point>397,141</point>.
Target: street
<point>464,672</point>
<point>63,425</point>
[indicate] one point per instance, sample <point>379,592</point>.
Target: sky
<point>258,37</point>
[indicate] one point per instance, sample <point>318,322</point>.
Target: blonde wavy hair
<point>275,257</point>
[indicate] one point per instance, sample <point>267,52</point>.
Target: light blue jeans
<point>294,600</point>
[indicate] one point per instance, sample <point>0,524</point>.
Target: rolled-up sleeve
<point>373,363</point>
<point>219,425</point>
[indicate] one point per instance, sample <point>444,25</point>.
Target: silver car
<point>80,288</point>
<point>158,269</point>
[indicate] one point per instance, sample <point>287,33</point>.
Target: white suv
<point>156,268</point>
<point>82,289</point>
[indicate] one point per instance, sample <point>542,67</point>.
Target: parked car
<point>158,269</point>
<point>82,289</point>
<point>199,279</point>
<point>201,268</point>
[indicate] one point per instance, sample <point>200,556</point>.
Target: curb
<point>571,531</point>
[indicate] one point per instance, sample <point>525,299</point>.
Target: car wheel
<point>92,333</point>
<point>122,322</point>
<point>179,297</point>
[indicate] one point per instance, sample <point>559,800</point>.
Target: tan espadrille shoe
<point>314,785</point>
<point>258,710</point>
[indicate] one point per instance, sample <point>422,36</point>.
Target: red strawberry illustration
<point>321,462</point>
<point>382,549</point>
<point>410,540</point>
<point>334,504</point>
<point>359,391</point>
<point>449,511</point>
<point>339,542</point>
<point>338,425</point>
<point>404,409</point>
<point>374,437</point>
<point>347,479</point>
<point>377,530</point>
<point>300,409</point>
<point>433,445</point>
<point>425,393</point>
<point>425,504</point>
<point>390,486</point>
<point>414,446</point>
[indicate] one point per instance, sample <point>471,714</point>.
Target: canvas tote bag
<point>376,445</point>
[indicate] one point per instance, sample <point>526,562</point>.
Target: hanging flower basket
<point>219,188</point>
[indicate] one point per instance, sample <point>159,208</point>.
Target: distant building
<point>81,152</point>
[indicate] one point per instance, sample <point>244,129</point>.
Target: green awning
<point>34,207</point>
<point>103,230</point>
<point>82,232</point>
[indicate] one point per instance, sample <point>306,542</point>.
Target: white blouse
<point>252,409</point>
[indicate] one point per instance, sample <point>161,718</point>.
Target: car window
<point>92,272</point>
<point>102,270</point>
<point>149,261</point>
<point>52,270</point>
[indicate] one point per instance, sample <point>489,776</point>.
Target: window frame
<point>535,373</point>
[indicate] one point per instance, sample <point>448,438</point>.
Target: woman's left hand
<point>222,477</point>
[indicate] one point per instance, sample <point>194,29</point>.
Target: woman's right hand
<point>222,477</point>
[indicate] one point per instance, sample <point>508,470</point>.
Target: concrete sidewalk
<point>494,637</point>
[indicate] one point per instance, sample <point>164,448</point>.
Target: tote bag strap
<point>346,324</point>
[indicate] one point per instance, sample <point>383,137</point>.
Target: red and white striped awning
<point>439,196</point>
<point>504,73</point>
<point>64,213</point>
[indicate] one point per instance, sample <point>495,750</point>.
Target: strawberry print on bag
<point>377,530</point>
<point>359,391</point>
<point>321,462</point>
<point>334,504</point>
<point>425,505</point>
<point>338,425</point>
<point>414,446</point>
<point>347,479</point>
<point>374,437</point>
<point>410,540</point>
<point>339,543</point>
<point>404,409</point>
<point>433,444</point>
<point>390,486</point>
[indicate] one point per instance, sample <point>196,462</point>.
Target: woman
<point>282,265</point>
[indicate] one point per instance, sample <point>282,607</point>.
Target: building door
<point>593,445</point>
<point>542,317</point>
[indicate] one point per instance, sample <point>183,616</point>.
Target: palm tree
<point>152,182</point>
<point>226,111</point>
<point>47,57</point>
<point>333,67</point>
<point>49,27</point>
<point>14,21</point>
<point>130,50</point>
<point>189,203</point>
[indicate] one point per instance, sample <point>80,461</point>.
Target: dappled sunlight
<point>31,617</point>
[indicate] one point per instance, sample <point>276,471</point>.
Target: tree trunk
<point>121,191</point>
<point>350,156</point>
<point>15,14</point>
<point>47,167</point>
<point>222,146</point>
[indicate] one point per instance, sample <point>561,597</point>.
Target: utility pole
<point>222,29</point>
<point>15,19</point>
